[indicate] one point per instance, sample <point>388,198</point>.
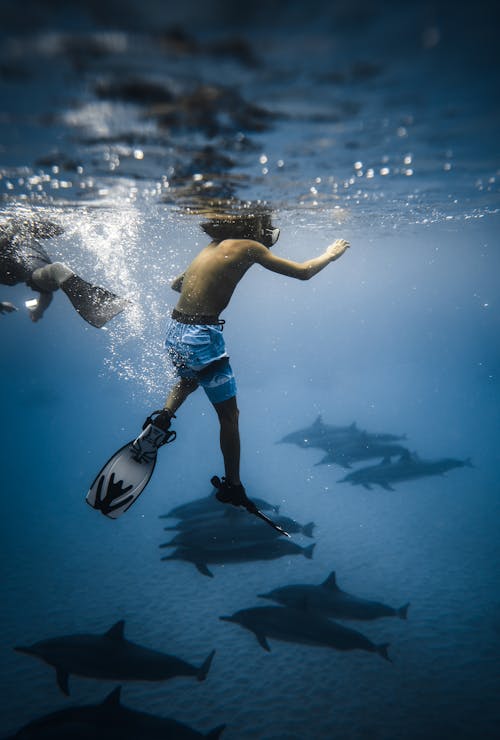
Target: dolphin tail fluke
<point>307,552</point>
<point>468,463</point>
<point>402,612</point>
<point>382,650</point>
<point>205,667</point>
<point>216,732</point>
<point>307,529</point>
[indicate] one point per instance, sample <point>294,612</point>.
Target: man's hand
<point>337,249</point>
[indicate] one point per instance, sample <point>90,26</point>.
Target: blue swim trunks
<point>198,352</point>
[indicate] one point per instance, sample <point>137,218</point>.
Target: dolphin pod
<point>295,625</point>
<point>109,720</point>
<point>350,444</point>
<point>330,601</point>
<point>110,656</point>
<point>210,532</point>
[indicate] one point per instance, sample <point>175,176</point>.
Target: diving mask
<point>270,236</point>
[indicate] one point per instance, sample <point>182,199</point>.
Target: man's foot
<point>161,419</point>
<point>230,493</point>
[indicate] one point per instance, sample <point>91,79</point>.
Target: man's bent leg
<point>228,414</point>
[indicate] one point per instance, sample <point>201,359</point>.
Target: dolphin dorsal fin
<point>113,699</point>
<point>331,581</point>
<point>385,461</point>
<point>116,631</point>
<point>215,733</point>
<point>319,421</point>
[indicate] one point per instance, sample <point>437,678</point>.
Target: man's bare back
<point>209,282</point>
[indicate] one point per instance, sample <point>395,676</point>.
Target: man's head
<point>256,225</point>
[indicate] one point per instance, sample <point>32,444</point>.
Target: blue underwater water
<point>382,129</point>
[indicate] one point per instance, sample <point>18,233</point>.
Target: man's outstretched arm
<point>300,270</point>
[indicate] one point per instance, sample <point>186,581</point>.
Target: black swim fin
<point>94,304</point>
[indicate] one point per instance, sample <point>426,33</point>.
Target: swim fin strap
<point>94,304</point>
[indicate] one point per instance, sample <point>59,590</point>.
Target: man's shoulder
<point>242,244</point>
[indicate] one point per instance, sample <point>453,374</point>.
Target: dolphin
<point>109,720</point>
<point>205,538</point>
<point>238,553</point>
<point>365,448</point>
<point>307,628</point>
<point>320,435</point>
<point>330,601</point>
<point>236,527</point>
<point>208,505</point>
<point>408,467</point>
<point>110,656</point>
